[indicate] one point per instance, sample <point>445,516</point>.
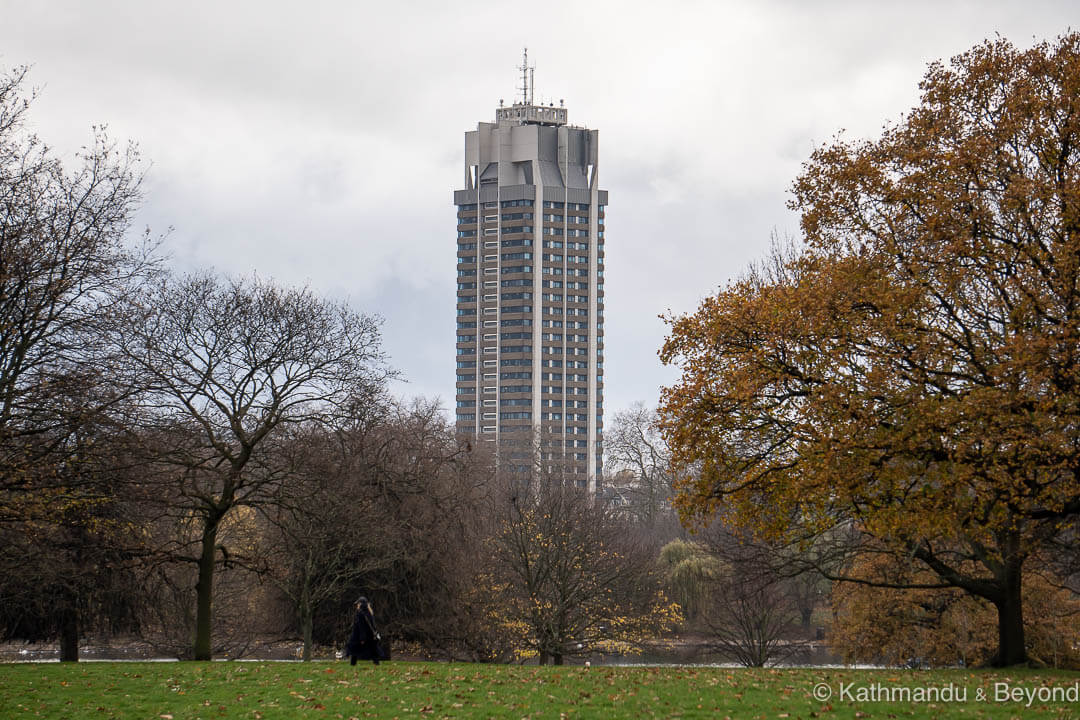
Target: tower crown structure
<point>530,291</point>
<point>526,111</point>
<point>531,115</point>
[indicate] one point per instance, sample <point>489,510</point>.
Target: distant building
<point>530,298</point>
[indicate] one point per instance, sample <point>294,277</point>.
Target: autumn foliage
<point>899,626</point>
<point>567,577</point>
<point>910,371</point>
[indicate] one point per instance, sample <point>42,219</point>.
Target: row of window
<point>547,402</point>
<point>568,456</point>
<point>492,350</point>
<point>548,389</point>
<point>559,245</point>
<point>557,430</point>
<point>571,377</point>
<point>551,257</point>
<point>523,415</point>
<point>527,322</point>
<point>568,284</point>
<point>552,205</point>
<point>579,364</point>
<point>549,297</point>
<point>471,390</point>
<point>515,388</point>
<point>556,297</point>
<point>572,219</point>
<point>558,390</point>
<point>516,242</point>
<point>555,257</point>
<point>490,377</point>
<point>549,443</point>
<point>527,362</point>
<point>558,232</point>
<point>549,204</point>
<point>570,404</point>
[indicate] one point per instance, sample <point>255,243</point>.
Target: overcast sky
<point>320,142</point>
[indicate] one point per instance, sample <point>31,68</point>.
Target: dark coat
<point>362,644</point>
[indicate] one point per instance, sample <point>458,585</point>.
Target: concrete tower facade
<point>530,293</point>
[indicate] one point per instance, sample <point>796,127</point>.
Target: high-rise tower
<point>530,299</point>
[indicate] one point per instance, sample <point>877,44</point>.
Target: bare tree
<point>230,365</point>
<point>641,462</point>
<point>752,616</point>
<point>313,550</point>
<point>760,599</point>
<point>429,488</point>
<point>370,508</point>
<point>574,575</point>
<point>65,269</point>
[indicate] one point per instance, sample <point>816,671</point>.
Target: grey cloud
<point>322,141</point>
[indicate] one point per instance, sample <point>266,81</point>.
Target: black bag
<point>382,647</point>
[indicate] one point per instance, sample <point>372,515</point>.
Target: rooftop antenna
<point>527,76</point>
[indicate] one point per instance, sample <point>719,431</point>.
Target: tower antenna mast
<point>527,75</point>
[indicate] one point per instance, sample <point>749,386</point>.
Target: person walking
<point>364,641</point>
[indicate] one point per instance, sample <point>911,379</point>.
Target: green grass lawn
<point>183,691</point>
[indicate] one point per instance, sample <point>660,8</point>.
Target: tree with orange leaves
<point>909,378</point>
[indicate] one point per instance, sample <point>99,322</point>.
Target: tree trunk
<point>307,623</point>
<point>69,635</point>
<point>557,659</point>
<point>1011,649</point>
<point>204,590</point>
